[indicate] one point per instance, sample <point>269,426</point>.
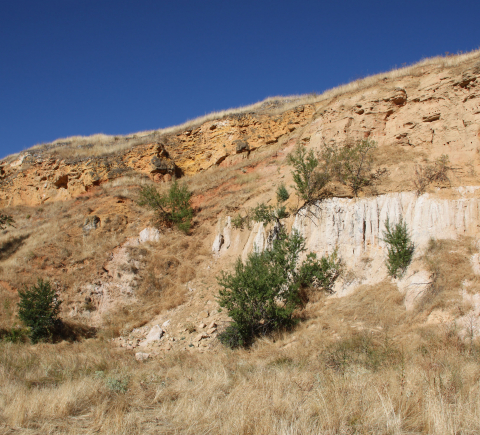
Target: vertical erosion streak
<point>364,233</point>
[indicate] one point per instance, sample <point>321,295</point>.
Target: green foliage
<point>239,221</point>
<point>117,384</point>
<point>352,164</point>
<point>268,214</point>
<point>14,335</point>
<point>320,273</point>
<point>5,220</point>
<point>38,309</point>
<point>232,337</point>
<point>400,248</point>
<point>262,294</point>
<point>282,194</point>
<point>173,207</point>
<point>307,178</point>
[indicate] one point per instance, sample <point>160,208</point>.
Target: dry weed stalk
<point>429,173</point>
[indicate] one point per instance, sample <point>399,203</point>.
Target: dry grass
<point>101,144</point>
<point>449,262</point>
<point>354,365</point>
<point>359,383</point>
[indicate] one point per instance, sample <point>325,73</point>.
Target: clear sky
<point>79,67</point>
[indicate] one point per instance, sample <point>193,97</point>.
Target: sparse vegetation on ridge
<point>101,144</point>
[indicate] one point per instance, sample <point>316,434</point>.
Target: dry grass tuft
<point>449,262</point>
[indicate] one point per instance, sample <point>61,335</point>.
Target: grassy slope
<point>360,364</point>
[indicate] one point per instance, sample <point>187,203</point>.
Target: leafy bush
<point>38,309</point>
<point>352,164</point>
<point>5,220</point>
<point>309,180</point>
<point>282,194</point>
<point>239,221</point>
<point>173,207</point>
<point>320,273</point>
<point>400,248</point>
<point>232,337</point>
<point>262,294</point>
<point>268,214</point>
<point>14,335</point>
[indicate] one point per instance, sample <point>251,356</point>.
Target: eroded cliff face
<point>354,227</point>
<point>33,179</point>
<point>432,111</point>
<point>438,110</point>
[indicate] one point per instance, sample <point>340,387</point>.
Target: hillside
<point>379,355</point>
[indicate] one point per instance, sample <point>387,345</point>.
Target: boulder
<point>149,235</point>
<point>153,336</point>
<point>142,356</point>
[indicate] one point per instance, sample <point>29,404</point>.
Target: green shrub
<point>173,207</point>
<point>38,309</point>
<point>5,220</point>
<point>239,221</point>
<point>14,335</point>
<point>309,180</point>
<point>431,172</point>
<point>262,294</point>
<point>232,337</point>
<point>268,214</point>
<point>320,273</point>
<point>282,194</point>
<point>400,248</point>
<point>117,384</point>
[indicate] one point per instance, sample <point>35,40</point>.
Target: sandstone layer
<point>432,110</point>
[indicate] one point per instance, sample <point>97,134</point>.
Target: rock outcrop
<point>355,227</point>
<point>34,178</point>
<point>431,111</point>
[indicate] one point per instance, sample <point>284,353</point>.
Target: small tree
<point>320,273</point>
<point>400,248</point>
<point>352,164</point>
<point>432,172</point>
<point>38,309</point>
<point>282,194</point>
<point>5,220</point>
<point>308,177</point>
<point>262,294</point>
<point>173,207</point>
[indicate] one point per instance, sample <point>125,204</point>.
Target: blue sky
<point>79,67</point>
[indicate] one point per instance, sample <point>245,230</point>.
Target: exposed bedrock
<point>355,228</point>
